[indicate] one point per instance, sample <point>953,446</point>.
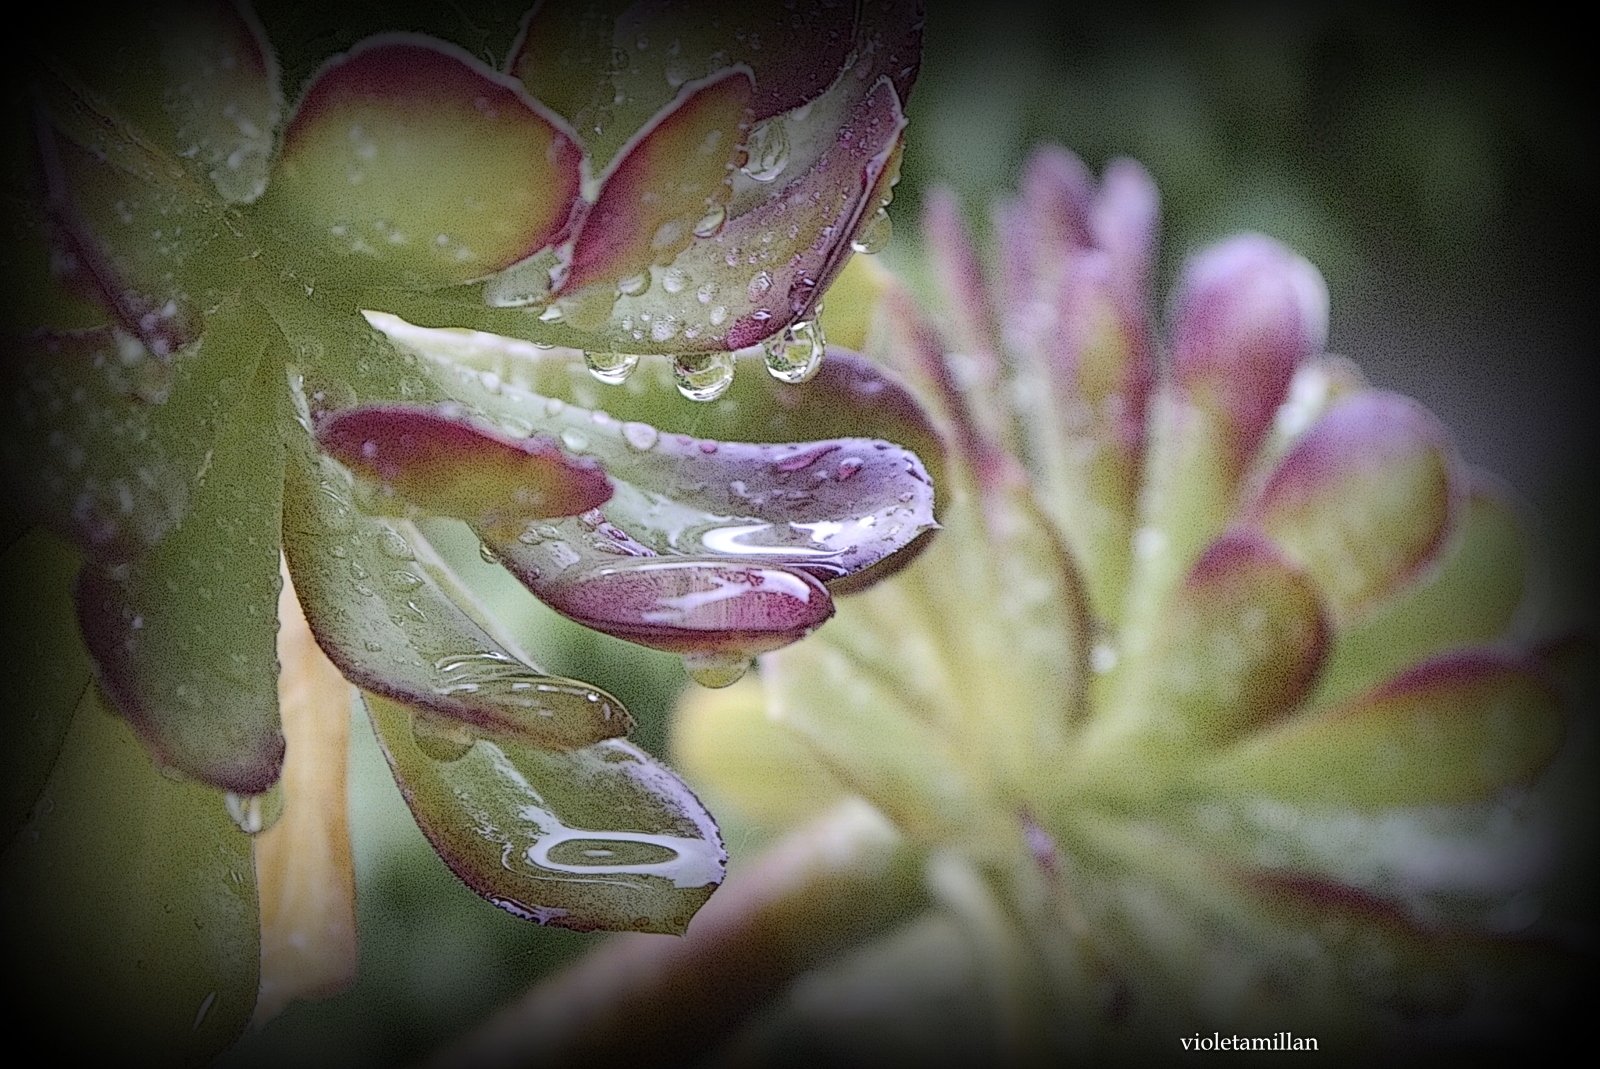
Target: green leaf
<point>602,837</point>
<point>102,446</point>
<point>46,667</point>
<point>185,637</point>
<point>1449,731</point>
<point>409,162</point>
<point>382,617</point>
<point>1468,598</point>
<point>128,900</point>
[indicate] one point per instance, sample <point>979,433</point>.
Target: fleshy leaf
<point>197,77</point>
<point>1246,313</point>
<point>1238,646</point>
<point>409,162</point>
<point>134,232</point>
<point>382,617</point>
<point>200,686</point>
<point>167,955</point>
<point>434,460</point>
<point>1469,597</point>
<point>564,55</point>
<point>670,177</point>
<point>832,507</point>
<point>1364,500</point>
<point>602,837</point>
<point>46,667</point>
<point>1449,731</point>
<point>102,468</point>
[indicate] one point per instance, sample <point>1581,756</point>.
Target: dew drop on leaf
<point>874,234</point>
<point>768,149</point>
<point>441,738</point>
<point>703,376</point>
<point>255,813</point>
<point>611,368</point>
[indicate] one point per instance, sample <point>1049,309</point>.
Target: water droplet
<point>796,354</point>
<point>768,149</point>
<point>703,376</point>
<point>848,467</point>
<point>760,284</point>
<point>640,435</point>
<point>611,368</point>
<point>634,285</point>
<point>716,669</point>
<point>402,581</point>
<point>442,738</point>
<point>551,314</point>
<point>574,440</point>
<point>255,813</point>
<point>710,224</point>
<point>393,546</point>
<point>874,234</point>
<point>488,555</point>
<point>673,280</point>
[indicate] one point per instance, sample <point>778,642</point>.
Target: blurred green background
<point>1438,170</point>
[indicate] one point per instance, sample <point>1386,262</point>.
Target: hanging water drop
<point>710,224</point>
<point>768,149</point>
<point>716,669</point>
<point>442,738</point>
<point>611,368</point>
<point>255,813</point>
<point>703,376</point>
<point>874,234</point>
<point>795,355</point>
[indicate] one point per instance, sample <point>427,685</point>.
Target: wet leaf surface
<point>382,618</point>
<point>410,161</point>
<point>601,837</point>
<point>199,685</point>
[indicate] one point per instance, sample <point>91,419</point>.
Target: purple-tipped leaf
<point>382,618</point>
<point>199,686</point>
<point>1450,731</point>
<point>674,174</point>
<point>602,837</point>
<point>1246,313</point>
<point>1363,500</point>
<point>1241,642</point>
<point>410,163</point>
<point>436,461</point>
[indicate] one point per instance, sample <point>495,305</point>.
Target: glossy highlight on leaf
<point>381,616</point>
<point>602,837</point>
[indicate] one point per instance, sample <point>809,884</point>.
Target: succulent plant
<point>212,367</point>
<point>1210,710</point>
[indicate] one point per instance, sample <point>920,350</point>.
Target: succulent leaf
<point>600,837</point>
<point>409,163</point>
<point>200,687</point>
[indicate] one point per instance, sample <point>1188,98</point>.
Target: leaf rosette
<point>205,198</point>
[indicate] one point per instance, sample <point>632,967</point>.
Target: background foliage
<point>1439,172</point>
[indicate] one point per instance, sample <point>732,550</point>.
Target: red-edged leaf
<point>436,461</point>
<point>1363,500</point>
<point>381,616</point>
<point>673,174</point>
<point>1247,311</point>
<point>409,162</point>
<point>599,838</point>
